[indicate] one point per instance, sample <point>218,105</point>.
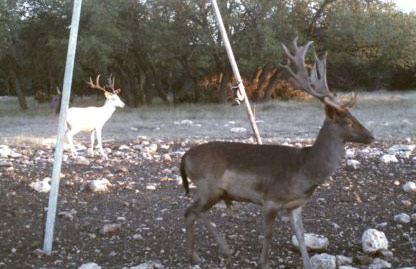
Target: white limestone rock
<point>410,187</point>
<point>388,158</point>
<point>99,185</point>
<point>343,260</point>
<point>323,261</point>
<point>312,241</point>
<point>5,151</point>
<point>353,164</point>
<point>373,241</point>
<point>379,264</point>
<point>90,265</point>
<point>402,218</point>
<point>149,265</point>
<point>238,130</point>
<point>41,186</point>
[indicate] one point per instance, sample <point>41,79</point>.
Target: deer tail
<point>184,177</point>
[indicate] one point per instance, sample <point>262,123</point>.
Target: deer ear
<point>331,113</point>
<point>107,94</point>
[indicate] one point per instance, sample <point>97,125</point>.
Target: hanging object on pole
<point>241,90</point>
<point>56,171</point>
<point>238,97</point>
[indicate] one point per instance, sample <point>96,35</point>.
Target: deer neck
<point>109,109</point>
<point>324,156</point>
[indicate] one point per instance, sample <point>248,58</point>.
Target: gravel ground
<point>146,198</point>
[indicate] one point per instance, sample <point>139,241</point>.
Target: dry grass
<point>388,114</point>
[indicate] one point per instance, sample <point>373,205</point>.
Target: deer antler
<point>96,85</point>
<point>111,83</point>
<point>314,83</point>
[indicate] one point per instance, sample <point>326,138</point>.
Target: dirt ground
<point>146,196</point>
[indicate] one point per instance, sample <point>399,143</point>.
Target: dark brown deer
<point>273,176</point>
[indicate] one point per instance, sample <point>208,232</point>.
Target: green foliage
<point>158,47</point>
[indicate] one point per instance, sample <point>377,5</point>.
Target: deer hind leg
<point>296,221</point>
<point>270,212</point>
<point>100,144</point>
<point>92,143</point>
<point>196,211</point>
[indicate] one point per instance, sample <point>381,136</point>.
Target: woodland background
<point>171,50</point>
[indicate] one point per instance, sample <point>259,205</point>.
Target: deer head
<point>112,97</point>
<point>314,82</point>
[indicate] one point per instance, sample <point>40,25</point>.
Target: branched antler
<point>315,82</point>
<point>111,83</point>
<point>96,85</point>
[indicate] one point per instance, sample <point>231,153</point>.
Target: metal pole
<point>235,70</point>
<point>69,68</point>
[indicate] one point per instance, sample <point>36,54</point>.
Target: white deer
<point>92,119</point>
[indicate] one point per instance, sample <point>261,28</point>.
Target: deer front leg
<point>92,143</point>
<point>69,136</point>
<point>100,144</point>
<point>270,212</point>
<point>296,220</point>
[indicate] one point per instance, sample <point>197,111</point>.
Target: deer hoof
<point>226,251</point>
<point>196,258</point>
<point>265,266</point>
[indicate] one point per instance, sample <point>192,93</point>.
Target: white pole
<point>235,70</point>
<point>56,171</point>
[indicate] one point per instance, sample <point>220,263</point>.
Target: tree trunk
<point>19,92</point>
<point>269,90</point>
<point>222,92</point>
<point>257,74</point>
<point>263,82</point>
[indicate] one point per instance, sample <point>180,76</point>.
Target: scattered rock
<point>396,149</point>
<point>312,241</point>
<point>323,261</point>
<point>123,147</point>
<point>90,265</point>
<point>166,157</point>
<point>152,148</point>
<point>379,264</point>
<point>373,241</point>
<point>5,151</point>
<point>406,203</point>
<point>69,215</point>
<point>99,185</point>
<point>343,260</point>
<point>402,218</point>
<point>41,186</point>
<point>386,253</point>
<point>111,228</point>
<point>238,130</point>
<point>347,267</point>
<point>38,252</point>
<point>149,265</point>
<point>187,122</point>
<point>5,164</point>
<point>410,187</point>
<point>123,169</point>
<point>364,260</point>
<point>82,161</point>
<point>353,164</point>
<point>349,153</point>
<point>387,158</point>
<point>151,187</point>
